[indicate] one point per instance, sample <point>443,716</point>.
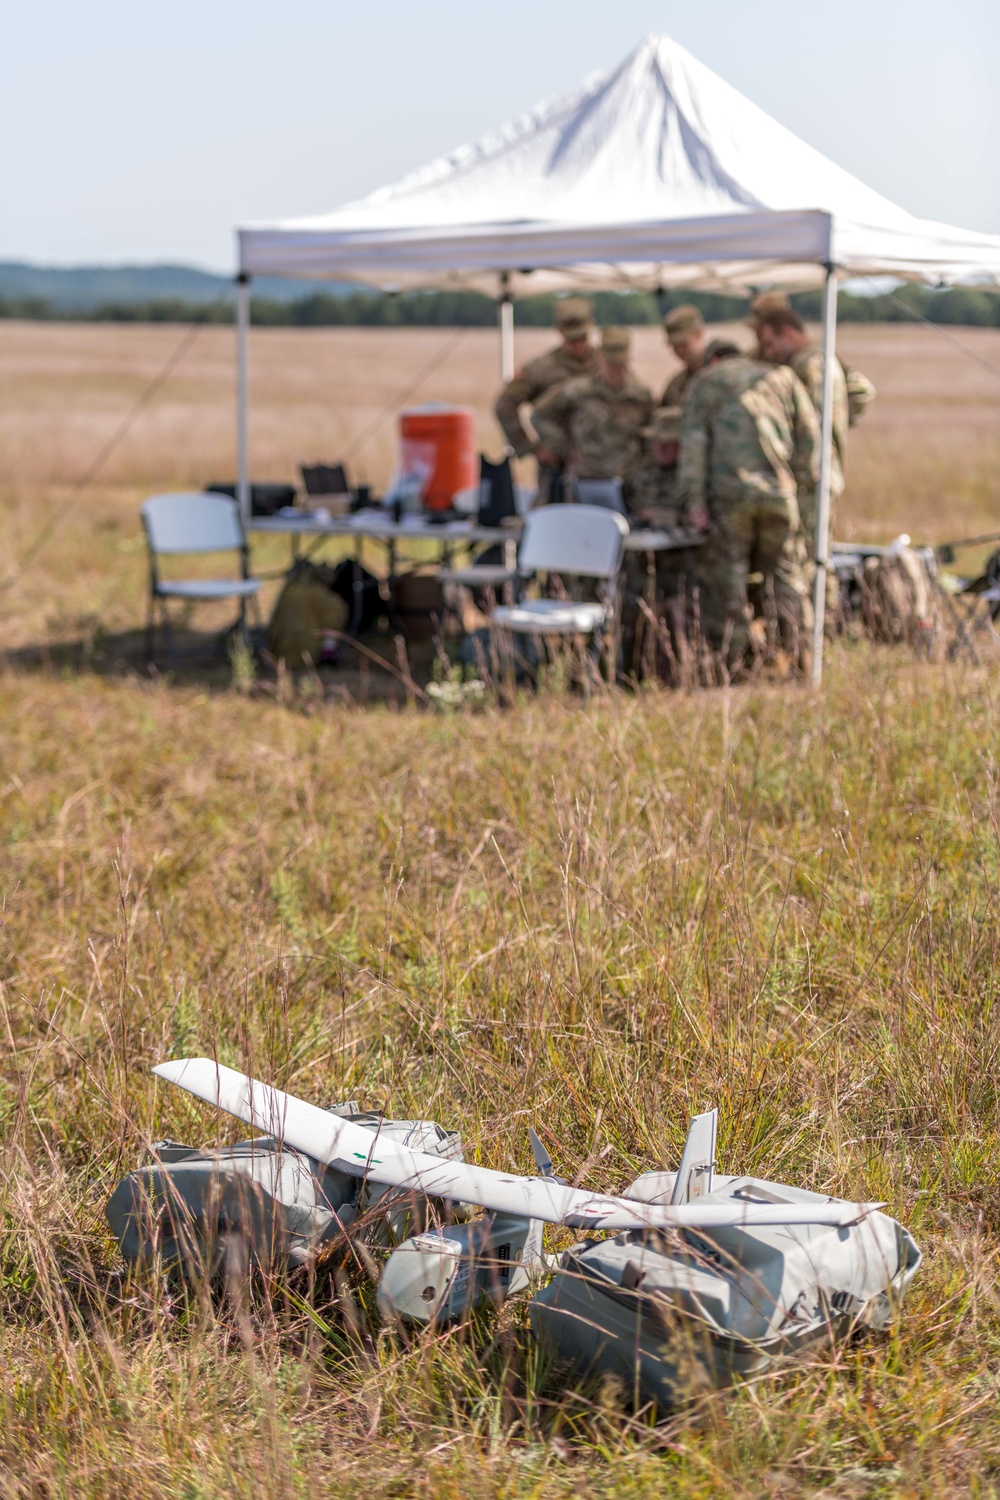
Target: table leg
<point>357,591</point>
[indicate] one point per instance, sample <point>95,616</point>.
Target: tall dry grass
<point>596,918</point>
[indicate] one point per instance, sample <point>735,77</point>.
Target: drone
<point>686,1278</point>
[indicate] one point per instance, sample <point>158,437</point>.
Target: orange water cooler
<point>443,439</point>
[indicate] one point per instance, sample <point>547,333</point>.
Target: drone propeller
<point>335,1141</point>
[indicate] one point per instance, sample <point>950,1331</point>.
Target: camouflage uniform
<point>664,579</point>
<point>749,447</point>
<point>530,384</point>
<point>652,491</point>
<point>860,391</point>
<point>675,391</point>
<point>574,319</point>
<point>652,501</point>
<point>760,306</point>
<point>808,366</point>
<point>681,323</point>
<point>652,484</point>
<point>853,393</point>
<point>594,427</point>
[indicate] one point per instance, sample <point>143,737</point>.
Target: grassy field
<point>925,461</point>
<point>594,917</point>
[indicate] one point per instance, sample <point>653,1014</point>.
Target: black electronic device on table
<point>265,499</point>
<point>324,479</point>
<point>497,489</point>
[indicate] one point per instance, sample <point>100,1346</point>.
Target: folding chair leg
<point>168,631</point>
<point>151,631</point>
<point>583,659</point>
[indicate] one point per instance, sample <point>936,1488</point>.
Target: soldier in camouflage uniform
<point>784,339</point>
<point>686,335</point>
<point>575,356</point>
<point>749,447</point>
<point>664,578</point>
<point>594,424</point>
<point>653,483</point>
<point>760,306</point>
<point>860,391</point>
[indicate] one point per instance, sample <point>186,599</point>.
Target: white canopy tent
<point>655,174</point>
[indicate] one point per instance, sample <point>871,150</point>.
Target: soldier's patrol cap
<point>665,426</point>
<point>764,303</point>
<point>681,321</point>
<point>720,349</point>
<point>616,341</point>
<point>574,317</point>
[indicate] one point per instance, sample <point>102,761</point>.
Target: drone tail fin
<point>543,1160</point>
<point>694,1176</point>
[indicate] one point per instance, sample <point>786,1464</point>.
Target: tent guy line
<point>113,442</point>
<point>919,317</point>
<point>437,358</point>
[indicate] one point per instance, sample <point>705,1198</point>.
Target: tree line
<point>971,306</point>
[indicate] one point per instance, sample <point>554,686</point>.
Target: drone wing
<point>337,1142</point>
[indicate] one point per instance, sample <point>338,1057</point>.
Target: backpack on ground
<point>306,608</point>
<point>901,601</point>
<point>361,591</point>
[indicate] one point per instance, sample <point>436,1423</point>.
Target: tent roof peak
<point>659,135</point>
<point>658,139</point>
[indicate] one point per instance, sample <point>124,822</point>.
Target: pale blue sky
<point>130,132</point>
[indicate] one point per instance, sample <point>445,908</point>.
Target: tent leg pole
<point>506,330</point>
<point>242,396</point>
<point>822,539</point>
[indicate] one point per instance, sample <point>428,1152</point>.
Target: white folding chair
<point>499,579</point>
<point>582,541</point>
<point>603,492</point>
<point>193,523</point>
<point>486,575</point>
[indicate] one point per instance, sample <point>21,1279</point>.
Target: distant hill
<point>85,288</point>
<point>181,294</point>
